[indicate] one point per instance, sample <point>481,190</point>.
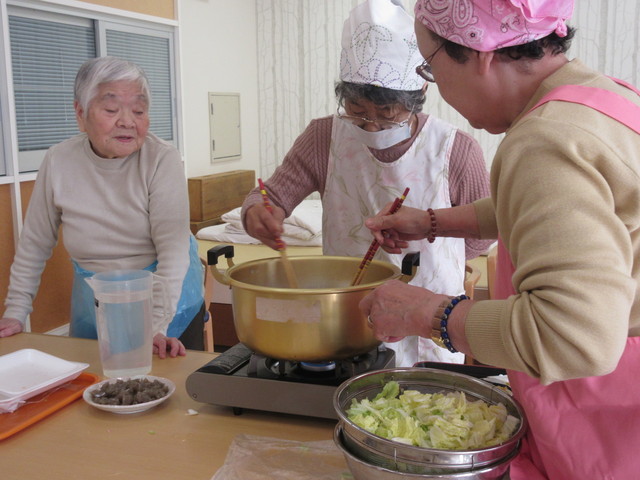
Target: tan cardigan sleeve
<point>561,196</point>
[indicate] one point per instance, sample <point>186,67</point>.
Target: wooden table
<point>82,442</point>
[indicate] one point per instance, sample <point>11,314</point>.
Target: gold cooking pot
<point>320,320</point>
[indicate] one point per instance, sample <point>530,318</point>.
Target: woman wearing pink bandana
<point>565,206</point>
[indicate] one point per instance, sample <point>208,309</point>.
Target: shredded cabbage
<point>433,420</point>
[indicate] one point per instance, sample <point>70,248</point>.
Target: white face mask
<point>381,139</point>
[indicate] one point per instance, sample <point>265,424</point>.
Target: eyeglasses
<point>363,121</point>
<point>424,69</point>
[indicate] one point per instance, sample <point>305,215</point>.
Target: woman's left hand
<point>396,310</point>
<point>163,345</point>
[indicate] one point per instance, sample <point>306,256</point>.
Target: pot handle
<point>410,260</point>
<point>214,252</point>
<point>212,259</point>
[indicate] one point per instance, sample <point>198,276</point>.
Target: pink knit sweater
<point>304,171</point>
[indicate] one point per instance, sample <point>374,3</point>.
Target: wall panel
<point>6,240</point>
<point>157,8</point>
<point>51,307</point>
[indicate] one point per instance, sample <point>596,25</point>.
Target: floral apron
<point>582,428</point>
<point>359,186</point>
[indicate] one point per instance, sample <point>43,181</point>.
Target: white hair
<point>97,71</point>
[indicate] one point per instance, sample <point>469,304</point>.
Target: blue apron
<point>83,313</point>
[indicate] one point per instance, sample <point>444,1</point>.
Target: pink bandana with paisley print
<point>487,25</point>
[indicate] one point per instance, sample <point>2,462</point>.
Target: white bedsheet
<point>302,228</point>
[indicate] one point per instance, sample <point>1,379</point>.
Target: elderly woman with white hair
<point>120,195</point>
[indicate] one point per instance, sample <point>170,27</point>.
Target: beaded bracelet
<point>431,236</point>
<point>440,335</point>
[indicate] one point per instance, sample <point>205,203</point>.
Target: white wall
<point>302,39</point>
<point>218,54</point>
<point>282,57</point>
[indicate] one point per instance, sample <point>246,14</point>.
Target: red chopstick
<point>373,248</point>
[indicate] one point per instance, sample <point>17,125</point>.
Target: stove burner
<point>318,367</point>
<point>240,378</point>
<point>327,373</point>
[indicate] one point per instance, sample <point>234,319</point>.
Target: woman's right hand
<point>264,225</point>
<point>393,232</point>
<point>10,326</point>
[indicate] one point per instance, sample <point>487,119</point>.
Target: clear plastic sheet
<point>252,457</point>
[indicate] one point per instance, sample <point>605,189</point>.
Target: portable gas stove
<point>241,379</point>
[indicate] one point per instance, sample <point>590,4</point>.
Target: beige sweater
<point>565,198</point>
<point>122,213</point>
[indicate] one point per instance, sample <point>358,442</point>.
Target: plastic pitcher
<point>124,319</point>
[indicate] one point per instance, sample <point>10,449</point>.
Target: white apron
<point>358,186</point>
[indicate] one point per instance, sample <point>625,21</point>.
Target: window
<point>45,56</point>
<point>46,51</point>
<point>152,52</point>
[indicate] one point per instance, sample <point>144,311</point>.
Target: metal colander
<point>363,470</point>
<point>398,457</point>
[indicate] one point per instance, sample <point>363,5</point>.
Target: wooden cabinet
<point>212,195</point>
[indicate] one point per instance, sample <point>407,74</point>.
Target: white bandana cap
<point>379,47</point>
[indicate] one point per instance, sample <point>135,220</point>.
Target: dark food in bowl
<point>129,392</point>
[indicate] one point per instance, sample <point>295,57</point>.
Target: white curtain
<point>299,53</point>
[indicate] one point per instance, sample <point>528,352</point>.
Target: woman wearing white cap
<point>376,145</point>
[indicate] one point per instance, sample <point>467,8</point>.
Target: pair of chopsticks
<point>288,268</point>
<point>373,248</point>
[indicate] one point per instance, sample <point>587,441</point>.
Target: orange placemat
<point>38,407</point>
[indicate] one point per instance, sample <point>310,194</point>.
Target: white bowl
<point>124,409</point>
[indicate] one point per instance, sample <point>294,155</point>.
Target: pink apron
<point>588,428</point>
